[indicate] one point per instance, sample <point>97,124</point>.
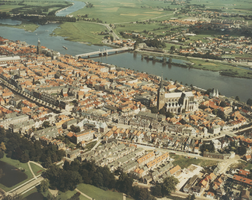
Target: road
<point>111,30</point>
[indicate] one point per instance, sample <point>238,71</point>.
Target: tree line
<point>20,148</point>
<point>89,173</point>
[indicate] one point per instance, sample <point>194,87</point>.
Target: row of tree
<point>20,148</point>
<point>89,173</point>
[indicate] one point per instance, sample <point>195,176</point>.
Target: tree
<point>169,114</point>
<point>75,129</point>
<point>237,98</point>
<point>172,48</point>
<point>43,187</point>
<point>154,109</point>
<point>249,102</point>
<point>223,104</point>
<point>157,190</point>
<point>46,124</point>
<point>1,154</point>
<point>10,197</point>
<point>48,162</point>
<point>169,185</point>
<point>215,111</point>
<point>241,150</point>
<point>162,111</point>
<point>76,196</point>
<point>191,197</point>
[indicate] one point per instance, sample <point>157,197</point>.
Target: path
<point>83,194</point>
<point>36,164</point>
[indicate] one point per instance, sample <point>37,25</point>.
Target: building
<point>39,48</point>
<point>83,136</point>
<point>216,155</point>
<point>161,96</point>
<point>178,102</point>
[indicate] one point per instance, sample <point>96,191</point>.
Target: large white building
<point>178,102</point>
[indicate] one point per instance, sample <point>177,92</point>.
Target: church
<point>175,102</point>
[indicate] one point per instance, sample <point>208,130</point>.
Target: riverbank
<point>80,32</point>
<point>26,25</point>
<point>225,69</point>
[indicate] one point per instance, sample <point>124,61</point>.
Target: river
<point>228,86</point>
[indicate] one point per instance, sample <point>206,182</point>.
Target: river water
<point>228,86</point>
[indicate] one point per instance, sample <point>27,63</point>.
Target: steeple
<point>39,47</point>
<point>161,82</point>
<point>161,95</point>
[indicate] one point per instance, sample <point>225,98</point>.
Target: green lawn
<point>8,8</point>
<point>67,195</point>
<point>36,169</point>
<point>81,32</point>
<point>98,193</point>
<point>185,162</point>
<point>90,145</point>
<point>61,195</point>
<point>26,25</point>
<point>17,164</point>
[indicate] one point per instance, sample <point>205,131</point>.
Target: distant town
<point>154,131</point>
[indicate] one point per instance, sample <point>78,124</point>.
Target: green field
<point>186,162</point>
<point>30,5</point>
<point>243,6</point>
<point>99,194</point>
<point>17,164</point>
<point>81,32</point>
<point>119,11</point>
<point>27,26</point>
<point>36,169</point>
<point>61,195</point>
<point>67,195</point>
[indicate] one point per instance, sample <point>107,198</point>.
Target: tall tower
<point>39,48</point>
<point>161,96</point>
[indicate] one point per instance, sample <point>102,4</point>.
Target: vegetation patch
<point>186,161</point>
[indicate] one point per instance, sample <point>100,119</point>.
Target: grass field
<point>17,164</point>
<point>242,6</point>
<point>81,32</point>
<point>8,8</point>
<point>100,194</point>
<point>67,195</point>
<point>119,11</point>
<point>61,195</point>
<point>90,145</point>
<point>36,169</point>
<point>185,162</point>
<point>27,26</point>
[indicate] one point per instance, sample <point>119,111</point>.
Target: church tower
<point>161,96</point>
<point>39,48</point>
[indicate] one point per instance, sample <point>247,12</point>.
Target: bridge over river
<point>104,52</point>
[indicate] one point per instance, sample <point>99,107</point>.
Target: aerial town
<point>127,120</point>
